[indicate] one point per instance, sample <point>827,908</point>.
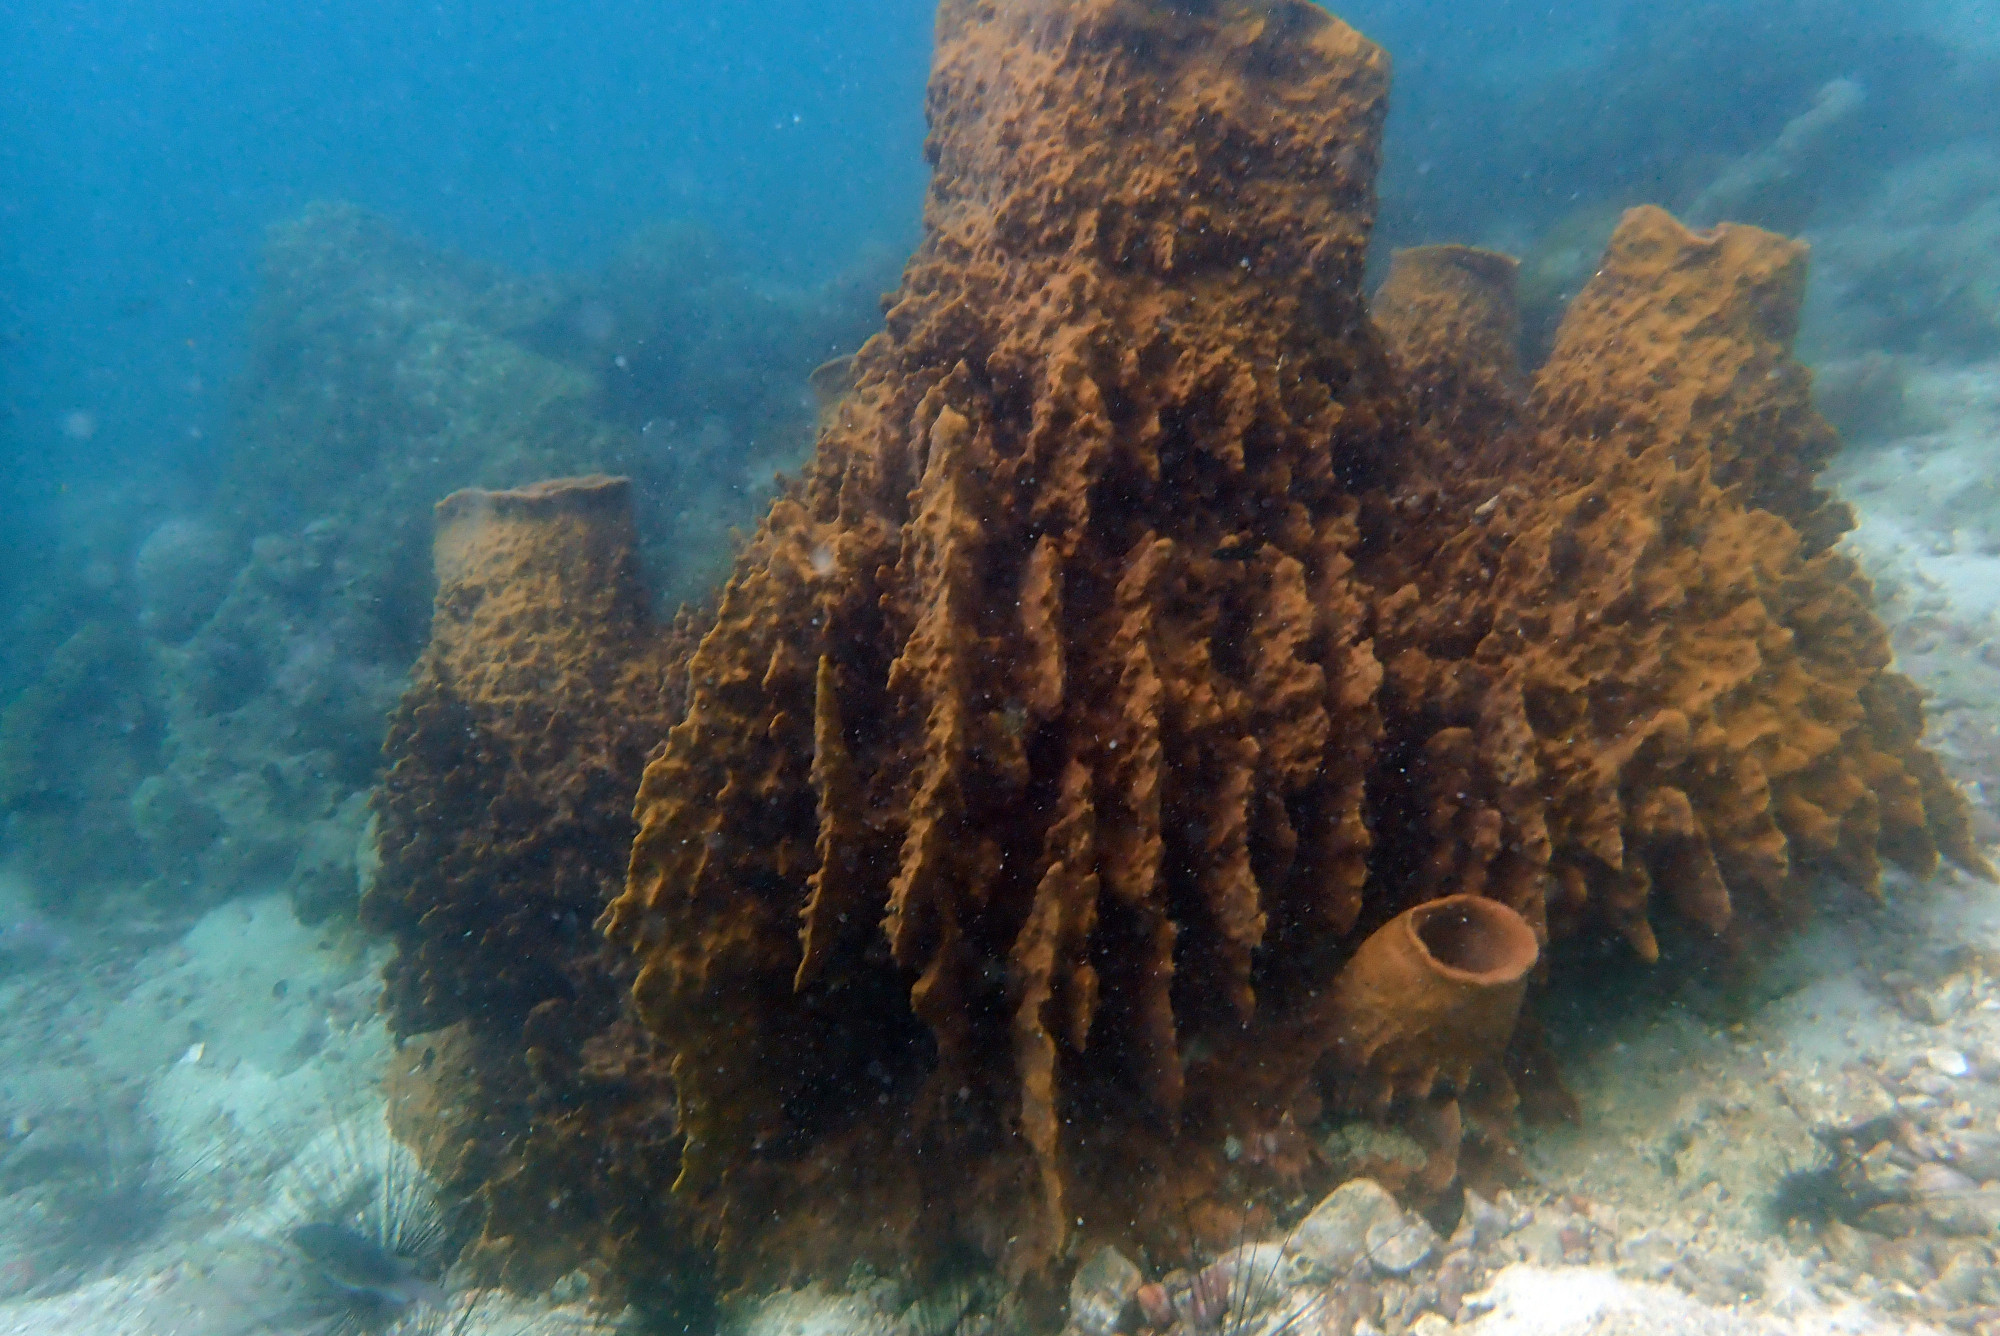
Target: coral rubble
<point>1151,627</point>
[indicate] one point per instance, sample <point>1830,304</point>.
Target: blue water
<point>148,146</point>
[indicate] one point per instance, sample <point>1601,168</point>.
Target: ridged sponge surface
<point>1152,624</point>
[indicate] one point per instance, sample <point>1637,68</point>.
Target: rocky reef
<point>1153,627</point>
<point>200,712</point>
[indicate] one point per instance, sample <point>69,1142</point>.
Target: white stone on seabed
<point>1100,1291</point>
<point>1963,1277</point>
<point>1524,1300</point>
<point>1949,1061</point>
<point>1932,1180</point>
<point>1261,1271</point>
<point>1335,1236</point>
<point>1399,1245</point>
<point>1947,999</point>
<point>1928,1081</point>
<point>1482,1222</point>
<point>815,1310</point>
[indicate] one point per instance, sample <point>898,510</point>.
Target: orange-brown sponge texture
<point>1036,720</point>
<point>1624,661</point>
<point>502,826</point>
<point>1152,624</point>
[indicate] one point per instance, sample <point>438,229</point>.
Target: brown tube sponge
<point>540,651</point>
<point>1449,314</point>
<point>503,824</point>
<point>1629,681</point>
<point>1430,997</point>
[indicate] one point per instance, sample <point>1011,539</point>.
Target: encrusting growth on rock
<point>1151,626</point>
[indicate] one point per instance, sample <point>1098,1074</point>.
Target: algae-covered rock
<point>382,374</point>
<point>74,744</point>
<point>175,823</point>
<point>180,573</point>
<point>326,877</point>
<point>227,695</point>
<point>1917,271</point>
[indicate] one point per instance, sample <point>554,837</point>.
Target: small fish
<point>30,938</point>
<point>830,382</point>
<point>351,1262</point>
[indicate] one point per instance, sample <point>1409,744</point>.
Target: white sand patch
<point>251,1051</point>
<point>1929,538</point>
<point>247,984</point>
<point>1592,1301</point>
